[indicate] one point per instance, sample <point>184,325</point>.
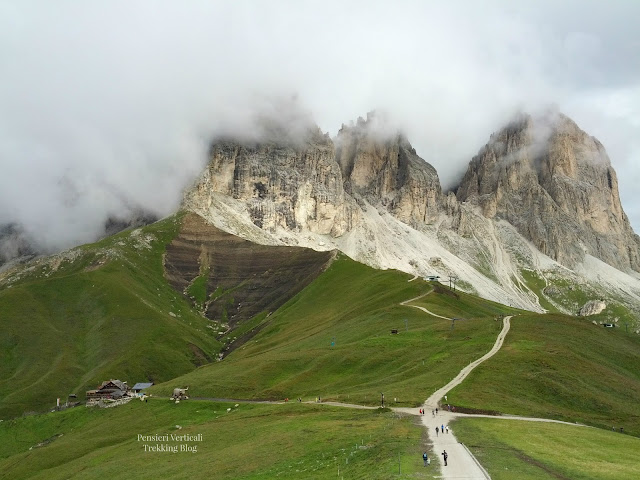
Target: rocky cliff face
<point>286,185</point>
<point>309,184</point>
<point>384,169</point>
<point>538,194</point>
<point>555,184</point>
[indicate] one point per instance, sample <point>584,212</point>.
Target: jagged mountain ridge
<point>371,196</point>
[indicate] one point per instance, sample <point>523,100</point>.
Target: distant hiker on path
<point>425,459</point>
<point>437,431</point>
<point>433,413</point>
<point>442,428</point>
<point>447,427</point>
<point>445,455</point>
<point>436,410</point>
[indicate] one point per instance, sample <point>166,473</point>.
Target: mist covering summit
<point>540,193</point>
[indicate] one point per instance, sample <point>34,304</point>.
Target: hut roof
<point>142,386</point>
<point>117,383</point>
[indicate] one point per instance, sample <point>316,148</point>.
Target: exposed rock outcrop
<point>592,307</point>
<point>307,183</point>
<point>285,184</point>
<point>556,185</point>
<point>237,279</point>
<point>381,166</point>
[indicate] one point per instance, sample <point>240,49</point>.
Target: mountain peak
<point>556,185</point>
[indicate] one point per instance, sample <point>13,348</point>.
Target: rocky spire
<point>556,185</point>
<point>379,164</point>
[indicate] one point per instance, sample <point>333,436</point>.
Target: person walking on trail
<point>437,431</point>
<point>447,427</point>
<point>436,410</point>
<point>442,428</point>
<point>425,459</point>
<point>445,455</point>
<point>433,413</point>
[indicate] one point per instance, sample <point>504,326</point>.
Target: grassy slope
<point>268,441</point>
<point>560,367</point>
<point>103,314</point>
<point>462,305</point>
<point>357,307</point>
<point>538,451</point>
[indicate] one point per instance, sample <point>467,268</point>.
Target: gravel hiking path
<point>461,462</point>
<point>422,308</point>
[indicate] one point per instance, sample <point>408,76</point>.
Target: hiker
<point>445,455</point>
<point>423,412</point>
<point>425,459</point>
<point>420,411</point>
<point>436,410</point>
<point>433,413</point>
<point>442,428</point>
<point>447,427</point>
<point>437,431</point>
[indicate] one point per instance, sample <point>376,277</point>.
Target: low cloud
<point>111,107</point>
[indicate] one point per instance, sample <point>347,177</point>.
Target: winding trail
<point>461,462</point>
<point>406,302</point>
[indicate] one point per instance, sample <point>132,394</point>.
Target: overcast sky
<point>109,105</point>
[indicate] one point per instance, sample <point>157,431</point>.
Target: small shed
<point>139,387</point>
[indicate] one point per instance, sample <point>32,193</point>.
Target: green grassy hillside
<point>100,311</point>
<point>560,367</point>
<point>249,442</point>
<point>334,340</point>
<point>107,310</point>
<point>538,451</point>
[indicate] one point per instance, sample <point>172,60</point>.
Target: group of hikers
<point>425,458</point>
<point>441,429</point>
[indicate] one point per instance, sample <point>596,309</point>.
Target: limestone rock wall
<point>384,169</point>
<point>285,185</point>
<point>309,184</point>
<point>556,185</point>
